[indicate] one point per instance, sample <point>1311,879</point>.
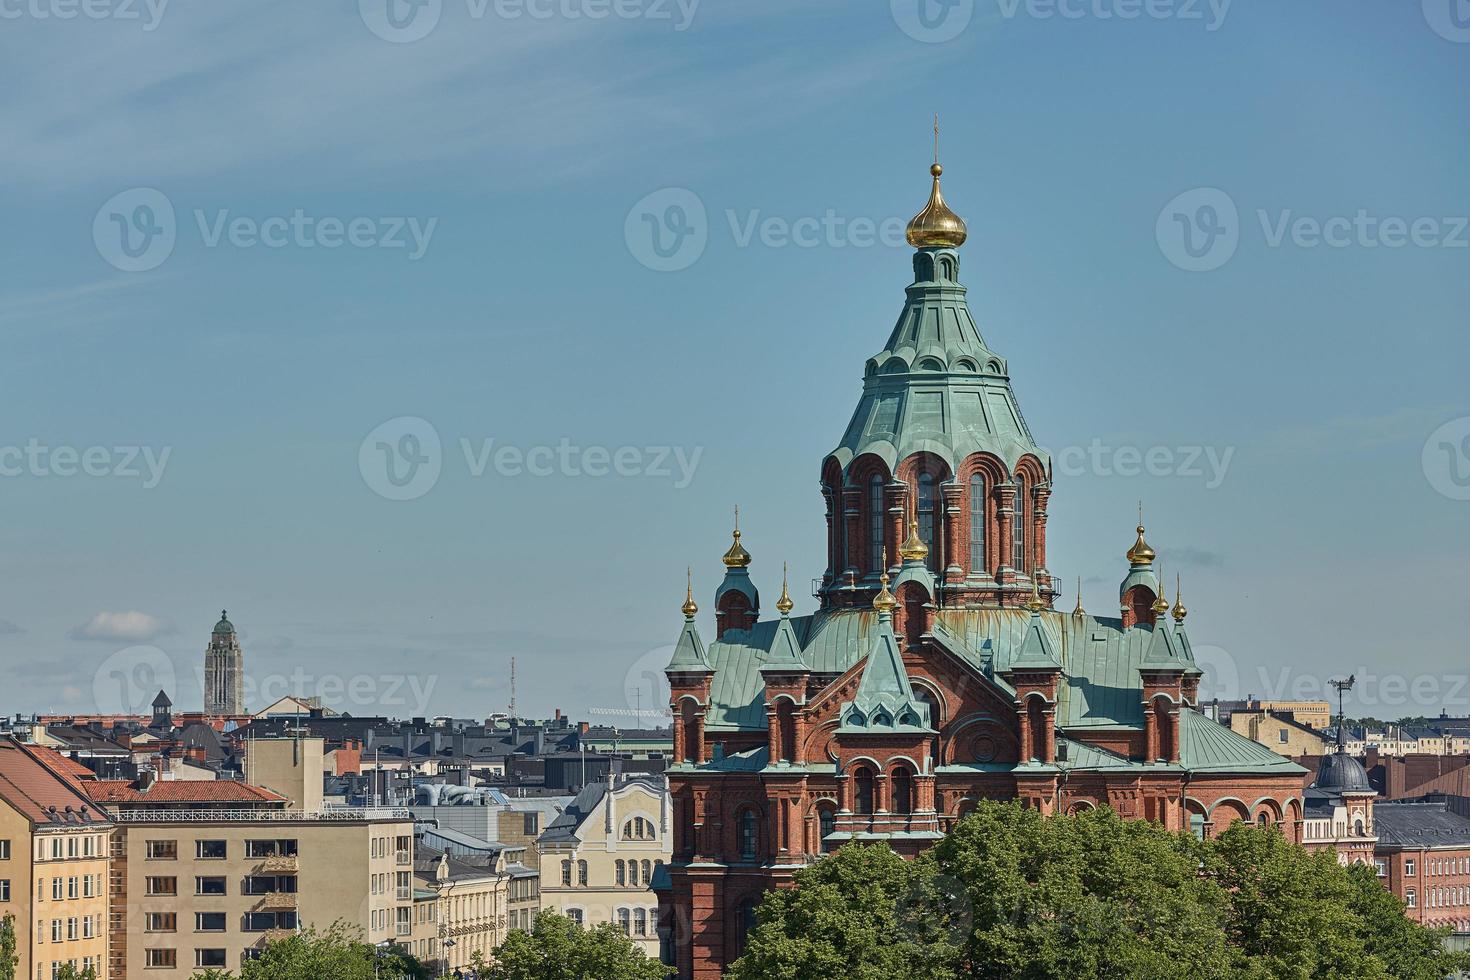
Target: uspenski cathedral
<point>935,671</point>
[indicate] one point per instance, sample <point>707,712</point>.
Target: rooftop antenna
<point>1342,687</point>
<point>512,688</point>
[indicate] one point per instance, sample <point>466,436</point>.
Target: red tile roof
<point>180,791</point>
<point>39,793</point>
<point>68,769</point>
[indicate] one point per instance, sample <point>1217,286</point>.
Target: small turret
<point>737,602</point>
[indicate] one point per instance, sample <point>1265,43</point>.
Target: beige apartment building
<point>599,857</point>
<point>53,867</point>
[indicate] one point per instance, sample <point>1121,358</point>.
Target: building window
<point>749,835</point>
<point>623,922</point>
<point>210,850</point>
<point>1018,526</point>
<point>903,791</point>
<point>209,922</point>
<point>1411,898</point>
<point>209,958</point>
<point>875,524</point>
<point>622,878</point>
<point>566,874</point>
<point>647,873</point>
<point>927,514</point>
<point>4,850</point>
<point>163,850</point>
<point>582,873</point>
<point>161,922</point>
<point>1281,736</point>
<point>640,922</point>
<point>1410,866</point>
<point>161,959</point>
<point>4,889</point>
<point>977,524</point>
<point>209,885</point>
<point>826,827</point>
<point>862,781</point>
<point>575,915</point>
<point>161,886</point>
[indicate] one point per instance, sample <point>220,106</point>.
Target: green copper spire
<point>885,700</point>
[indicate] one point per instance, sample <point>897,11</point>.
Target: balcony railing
<point>288,863</point>
<point>277,901</point>
<point>330,815</point>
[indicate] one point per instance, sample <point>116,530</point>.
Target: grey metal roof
<point>1414,825</point>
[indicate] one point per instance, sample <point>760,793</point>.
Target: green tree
<point>337,954</point>
<point>8,957</point>
<point>1013,895</point>
<point>557,948</point>
<point>69,972</point>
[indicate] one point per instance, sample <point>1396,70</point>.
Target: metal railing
<point>330,815</point>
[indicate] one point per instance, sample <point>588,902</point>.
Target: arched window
<point>566,873</point>
<point>744,923</point>
<point>826,827</point>
<point>1263,819</point>
<point>640,922</point>
<point>903,791</point>
<point>647,872</point>
<point>621,875</point>
<point>862,785</point>
<point>875,524</point>
<point>1018,526</point>
<point>575,915</point>
<point>977,524</point>
<point>749,835</point>
<point>582,873</point>
<point>928,516</point>
<point>624,921</point>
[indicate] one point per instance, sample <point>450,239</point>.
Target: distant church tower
<point>224,671</point>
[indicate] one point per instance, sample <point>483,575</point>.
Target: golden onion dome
<point>784,605</point>
<point>884,602</point>
<point>1035,603</point>
<point>913,549</point>
<point>1079,612</point>
<point>690,607</point>
<point>737,556</point>
<point>1179,611</point>
<point>1161,603</point>
<point>937,226</point>
<point>1141,553</point>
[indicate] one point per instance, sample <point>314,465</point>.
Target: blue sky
<point>525,142</point>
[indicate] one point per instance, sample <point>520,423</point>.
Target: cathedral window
<point>1018,527</point>
<point>862,782</point>
<point>977,524</point>
<point>749,835</point>
<point>928,517</point>
<point>875,524</point>
<point>903,791</point>
<point>826,827</point>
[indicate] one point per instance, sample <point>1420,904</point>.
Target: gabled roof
<point>40,794</point>
<point>689,651</point>
<point>885,700</point>
<point>1207,746</point>
<point>180,791</point>
<point>1036,652</point>
<point>785,652</point>
<point>1420,824</point>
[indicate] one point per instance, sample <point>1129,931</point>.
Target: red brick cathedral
<point>935,672</point>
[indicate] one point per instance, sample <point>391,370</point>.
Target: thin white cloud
<point>122,627</point>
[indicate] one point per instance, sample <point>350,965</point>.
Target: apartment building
<point>599,857</point>
<point>53,867</point>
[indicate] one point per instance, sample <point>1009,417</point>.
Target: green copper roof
<point>936,386</point>
<point>885,699</point>
<point>1162,651</point>
<point>689,655</point>
<point>1207,746</point>
<point>785,652</point>
<point>1036,649</point>
<point>224,625</point>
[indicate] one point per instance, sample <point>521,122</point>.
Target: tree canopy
<point>337,954</point>
<point>1013,895</point>
<point>556,947</point>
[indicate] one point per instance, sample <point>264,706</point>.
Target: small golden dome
<point>737,556</point>
<point>1141,554</point>
<point>784,605</point>
<point>690,607</point>
<point>1079,612</point>
<point>884,601</point>
<point>1035,604</point>
<point>1179,611</point>
<point>937,226</point>
<point>914,548</point>
<point>1161,603</point>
